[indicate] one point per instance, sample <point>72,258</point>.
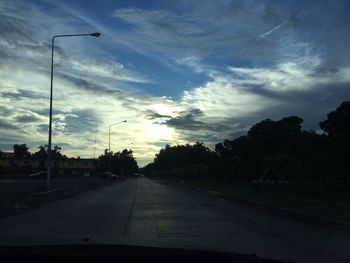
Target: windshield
<point>213,125</point>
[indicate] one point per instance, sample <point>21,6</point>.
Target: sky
<point>177,71</point>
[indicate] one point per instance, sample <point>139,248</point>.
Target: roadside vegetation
<point>122,162</point>
<point>276,162</point>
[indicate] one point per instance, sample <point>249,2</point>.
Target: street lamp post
<point>49,161</point>
<point>109,143</point>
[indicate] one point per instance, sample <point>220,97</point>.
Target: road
<point>145,212</point>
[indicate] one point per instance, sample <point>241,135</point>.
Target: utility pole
<point>49,157</point>
<point>95,141</point>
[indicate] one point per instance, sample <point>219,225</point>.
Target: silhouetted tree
<point>338,121</point>
<point>121,162</point>
<point>278,150</point>
<point>21,151</point>
<point>281,168</point>
<point>128,162</point>
<point>147,169</point>
<point>337,127</point>
<point>183,155</point>
<point>55,153</point>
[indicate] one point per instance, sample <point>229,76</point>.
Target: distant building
<point>7,155</point>
<point>60,167</point>
<point>75,166</point>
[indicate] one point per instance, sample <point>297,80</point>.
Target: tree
<point>147,169</point>
<point>183,155</point>
<point>281,168</point>
<point>55,153</point>
<point>121,162</point>
<point>21,151</point>
<point>278,150</point>
<point>337,127</point>
<point>272,137</point>
<point>338,121</point>
<point>41,153</point>
<point>128,163</point>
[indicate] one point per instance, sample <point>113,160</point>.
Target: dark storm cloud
<point>154,115</point>
<point>80,121</point>
<point>4,124</point>
<point>95,88</point>
<point>43,128</point>
<point>14,29</point>
<point>87,85</point>
<point>205,137</point>
<point>159,144</point>
<point>127,98</point>
<point>5,111</point>
<point>21,93</point>
<point>27,119</point>
<point>188,121</point>
<point>132,100</point>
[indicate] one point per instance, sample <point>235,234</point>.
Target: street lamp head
<point>125,121</point>
<point>96,34</point>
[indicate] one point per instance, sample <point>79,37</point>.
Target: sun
<point>159,131</point>
<point>164,109</point>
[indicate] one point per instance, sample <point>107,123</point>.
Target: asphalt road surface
<point>145,212</point>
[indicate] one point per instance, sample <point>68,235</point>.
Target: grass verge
<point>300,198</point>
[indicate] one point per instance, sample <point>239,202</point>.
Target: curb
<point>287,212</point>
<point>46,192</point>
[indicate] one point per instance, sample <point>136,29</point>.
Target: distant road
<point>144,212</point>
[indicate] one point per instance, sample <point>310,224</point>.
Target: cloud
<point>207,55</point>
<point>150,114</point>
<point>6,125</point>
<point>222,97</point>
<point>21,93</point>
<point>26,40</point>
<point>27,119</point>
<point>105,69</point>
<point>304,74</point>
<point>43,128</point>
<point>272,30</point>
<point>130,99</point>
<point>5,111</point>
<point>187,121</point>
<point>232,101</point>
<point>186,34</point>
